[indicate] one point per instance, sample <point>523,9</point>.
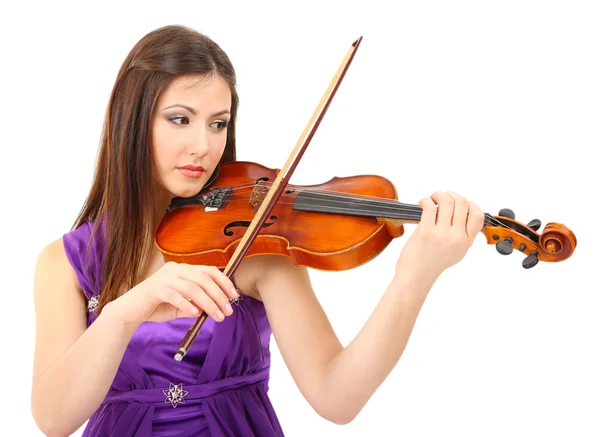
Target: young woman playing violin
<point>110,309</point>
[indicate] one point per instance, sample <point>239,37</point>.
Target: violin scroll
<point>555,243</point>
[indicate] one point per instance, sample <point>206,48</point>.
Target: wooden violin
<point>337,225</point>
<point>246,209</point>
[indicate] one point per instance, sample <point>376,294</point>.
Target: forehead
<point>198,91</point>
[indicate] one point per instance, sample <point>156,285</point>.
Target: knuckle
<point>437,193</point>
<point>426,203</point>
<point>202,277</point>
<point>223,300</point>
<point>448,199</point>
<point>171,295</point>
<point>190,287</point>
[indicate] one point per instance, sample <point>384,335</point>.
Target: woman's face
<point>190,131</point>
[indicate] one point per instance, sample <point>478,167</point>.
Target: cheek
<point>161,154</point>
<point>218,147</point>
<point>164,149</point>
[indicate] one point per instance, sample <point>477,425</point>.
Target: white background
<point>498,101</point>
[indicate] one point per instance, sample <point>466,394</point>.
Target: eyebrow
<point>193,111</point>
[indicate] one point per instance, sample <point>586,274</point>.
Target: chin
<point>186,191</point>
<point>186,188</point>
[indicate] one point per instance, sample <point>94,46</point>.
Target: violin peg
<point>534,224</point>
<point>531,260</point>
<point>504,247</point>
<point>505,212</point>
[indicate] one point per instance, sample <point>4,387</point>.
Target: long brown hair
<point>121,199</point>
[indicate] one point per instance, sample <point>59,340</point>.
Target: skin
<point>319,364</point>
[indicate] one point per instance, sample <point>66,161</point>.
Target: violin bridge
<point>258,195</point>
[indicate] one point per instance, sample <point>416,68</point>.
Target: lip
<point>192,167</point>
<point>192,171</point>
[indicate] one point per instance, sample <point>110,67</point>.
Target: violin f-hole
<point>244,224</point>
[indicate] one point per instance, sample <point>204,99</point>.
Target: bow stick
<point>275,191</point>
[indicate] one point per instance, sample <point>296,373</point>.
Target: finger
<point>220,279</point>
<point>216,294</point>
<point>475,221</point>
<point>461,210</point>
<point>180,314</point>
<point>198,296</point>
<point>429,211</point>
<point>445,209</point>
<point>212,281</point>
<point>179,302</point>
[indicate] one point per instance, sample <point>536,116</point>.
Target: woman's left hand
<point>441,239</point>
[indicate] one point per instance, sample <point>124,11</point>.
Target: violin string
<point>345,196</point>
<point>345,199</point>
<point>351,199</point>
<point>397,214</point>
<point>341,193</point>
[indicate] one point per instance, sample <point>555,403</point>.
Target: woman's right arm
<point>74,366</point>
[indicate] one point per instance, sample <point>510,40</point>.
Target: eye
<point>220,125</point>
<point>179,119</point>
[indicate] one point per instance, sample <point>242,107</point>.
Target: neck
<point>162,199</point>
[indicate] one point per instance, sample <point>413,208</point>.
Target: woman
<point>110,311</point>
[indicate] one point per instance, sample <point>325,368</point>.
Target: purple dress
<point>218,389</point>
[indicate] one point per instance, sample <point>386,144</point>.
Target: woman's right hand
<point>176,290</point>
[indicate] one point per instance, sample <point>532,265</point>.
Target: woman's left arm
<point>338,381</point>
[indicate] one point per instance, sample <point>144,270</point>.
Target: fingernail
<point>194,310</point>
<point>220,315</point>
<point>234,292</point>
<point>228,309</point>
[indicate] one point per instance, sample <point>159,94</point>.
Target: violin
<point>337,225</point>
<point>247,209</point>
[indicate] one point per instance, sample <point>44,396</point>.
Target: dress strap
<point>84,248</point>
<point>79,253</point>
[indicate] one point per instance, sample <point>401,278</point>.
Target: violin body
<point>206,229</point>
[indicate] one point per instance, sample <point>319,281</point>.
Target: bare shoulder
<point>52,265</point>
<point>259,274</point>
<point>60,305</point>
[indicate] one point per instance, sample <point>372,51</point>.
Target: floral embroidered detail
<point>175,394</point>
<point>92,304</point>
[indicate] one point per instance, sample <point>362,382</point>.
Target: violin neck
<point>351,204</point>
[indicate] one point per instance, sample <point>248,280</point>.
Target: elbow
<point>340,420</point>
<point>47,424</point>
<point>50,432</point>
<point>338,412</point>
<point>49,428</point>
<point>43,423</point>
<point>338,417</point>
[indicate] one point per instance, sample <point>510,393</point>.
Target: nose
<point>199,144</point>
